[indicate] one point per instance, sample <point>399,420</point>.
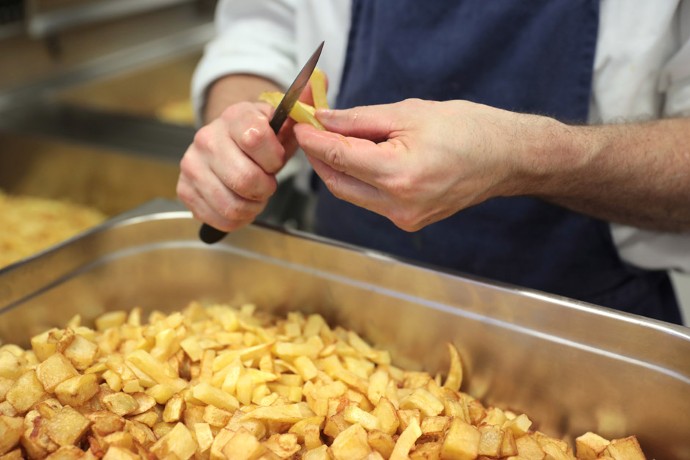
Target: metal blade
<point>294,91</point>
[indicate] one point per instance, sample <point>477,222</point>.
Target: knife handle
<point>210,235</point>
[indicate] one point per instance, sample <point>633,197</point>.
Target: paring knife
<point>210,235</point>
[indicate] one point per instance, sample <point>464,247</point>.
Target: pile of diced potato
<point>218,382</point>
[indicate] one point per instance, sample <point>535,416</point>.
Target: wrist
<point>553,155</point>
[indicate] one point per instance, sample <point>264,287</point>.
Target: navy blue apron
<point>528,56</point>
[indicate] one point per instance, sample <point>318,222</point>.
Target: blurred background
<point>95,108</point>
<point>94,97</point>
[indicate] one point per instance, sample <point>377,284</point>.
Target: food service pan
<point>570,366</point>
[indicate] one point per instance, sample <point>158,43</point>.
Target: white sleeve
<point>642,71</point>
<point>255,37</point>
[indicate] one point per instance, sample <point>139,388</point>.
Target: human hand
<point>228,172</point>
<point>417,162</point>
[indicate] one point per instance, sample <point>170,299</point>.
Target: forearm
<point>232,89</point>
<point>635,173</point>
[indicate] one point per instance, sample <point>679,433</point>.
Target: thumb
<point>373,122</point>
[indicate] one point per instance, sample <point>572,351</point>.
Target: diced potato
<point>174,408</point>
<point>67,427</point>
<point>625,449</point>
<point>111,320</point>
<point>350,443</point>
<point>243,446</point>
<point>81,352</point>
<point>490,440</point>
<point>529,448</point>
<point>178,442</point>
<point>119,453</point>
<point>462,441</point>
<point>423,400</point>
<point>55,370</point>
<point>120,403</point>
<point>204,436</point>
<point>77,390</point>
<point>215,397</point>
<point>25,392</point>
<point>11,429</point>
<point>590,445</point>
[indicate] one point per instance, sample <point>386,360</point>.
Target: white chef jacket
<point>641,71</point>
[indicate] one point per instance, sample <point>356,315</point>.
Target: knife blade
<point>209,234</point>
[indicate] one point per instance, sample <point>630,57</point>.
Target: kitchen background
<point>94,102</point>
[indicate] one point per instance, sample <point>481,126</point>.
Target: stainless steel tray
<point>572,367</point>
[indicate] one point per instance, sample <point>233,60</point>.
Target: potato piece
<point>66,453</point>
<point>461,442</point>
<point>11,366</point>
<point>119,453</point>
<point>508,447</point>
<point>590,445</point>
<point>381,442</point>
<point>289,413</point>
<point>120,403</point>
<point>350,443</point>
<point>77,390</point>
<point>243,446</point>
<point>318,453</point>
<point>81,352</point>
<point>434,428</point>
<point>44,345</point>
<point>318,89</point>
<point>387,415</point>
<point>11,429</point>
<point>490,440</point>
<point>178,442</point>
<point>110,320</point>
<point>625,449</point>
<point>528,448</point>
<point>25,392</point>
<point>204,436</point>
<point>216,417</point>
<point>215,397</point>
<point>423,400</point>
<point>406,441</point>
<point>104,422</point>
<point>301,112</point>
<point>15,454</point>
<point>55,370</point>
<point>174,408</point>
<point>67,427</point>
<point>519,426</point>
<point>282,445</point>
<point>354,414</point>
<point>454,377</point>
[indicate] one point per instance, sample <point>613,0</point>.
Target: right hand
<point>228,173</point>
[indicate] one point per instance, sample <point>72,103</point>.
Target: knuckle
<point>203,138</point>
<point>252,137</point>
<point>334,158</point>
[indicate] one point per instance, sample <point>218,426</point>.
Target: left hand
<point>417,162</point>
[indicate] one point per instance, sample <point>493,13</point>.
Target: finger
<point>230,164</point>
<point>359,158</point>
<point>248,126</point>
<point>376,122</point>
<point>349,188</point>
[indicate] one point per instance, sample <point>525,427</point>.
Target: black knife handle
<point>210,235</point>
